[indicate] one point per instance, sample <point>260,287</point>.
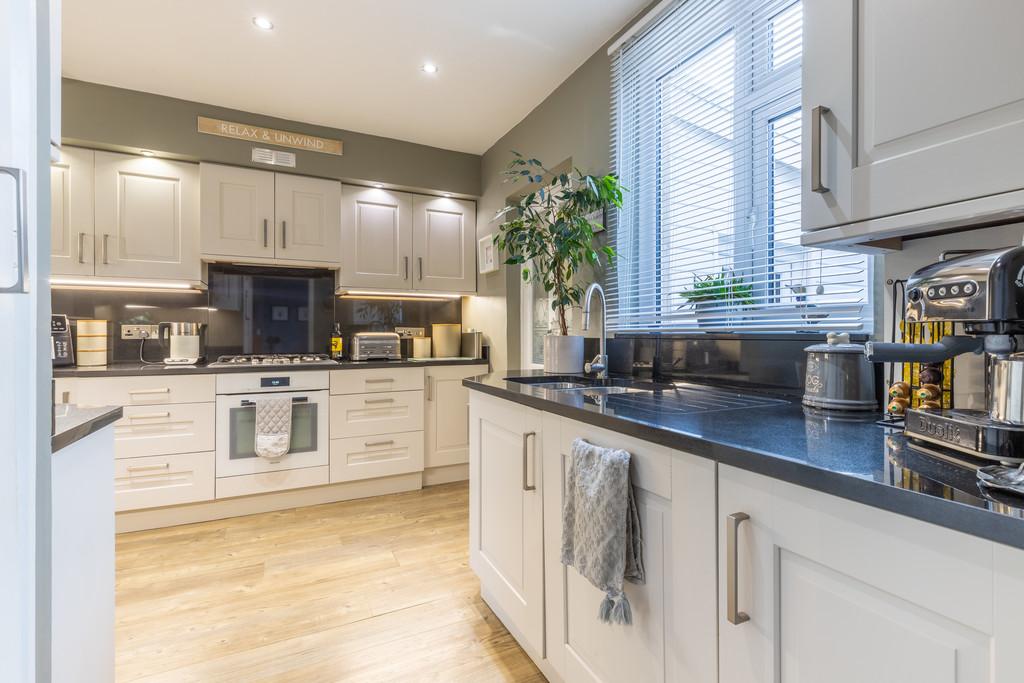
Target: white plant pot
<point>563,354</point>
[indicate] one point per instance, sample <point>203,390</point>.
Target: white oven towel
<point>273,427</point>
<point>601,535</point>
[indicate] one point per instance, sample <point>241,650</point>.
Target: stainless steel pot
<point>839,376</point>
<point>1006,389</point>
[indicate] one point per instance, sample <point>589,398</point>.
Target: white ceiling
<point>352,64</point>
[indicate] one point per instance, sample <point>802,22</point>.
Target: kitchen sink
<point>588,386</point>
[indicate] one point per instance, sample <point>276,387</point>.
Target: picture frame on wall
<point>487,255</point>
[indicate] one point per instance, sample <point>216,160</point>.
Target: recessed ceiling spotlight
<point>378,185</point>
<point>447,194</point>
<point>429,68</point>
<point>263,23</point>
<point>146,152</point>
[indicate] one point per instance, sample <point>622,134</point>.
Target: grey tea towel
<point>601,526</point>
<point>273,427</point>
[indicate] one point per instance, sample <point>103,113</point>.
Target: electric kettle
<point>184,341</point>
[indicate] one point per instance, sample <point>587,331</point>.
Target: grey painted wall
<point>127,120</point>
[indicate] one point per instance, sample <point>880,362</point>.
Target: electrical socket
<point>409,331</point>
<point>139,331</point>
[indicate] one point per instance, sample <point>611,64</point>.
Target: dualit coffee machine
<point>983,291</point>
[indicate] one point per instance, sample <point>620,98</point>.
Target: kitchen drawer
<point>266,482</point>
<point>366,457</point>
<point>162,430</point>
<point>650,464</point>
<point>163,480</point>
<point>382,413</point>
<point>141,391</point>
<point>375,380</point>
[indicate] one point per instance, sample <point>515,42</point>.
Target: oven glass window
<point>242,428</point>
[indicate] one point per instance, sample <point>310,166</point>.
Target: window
<point>706,133</point>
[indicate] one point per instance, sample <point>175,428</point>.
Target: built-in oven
<point>237,394</point>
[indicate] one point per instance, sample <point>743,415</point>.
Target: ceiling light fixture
<point>263,23</point>
<point>146,152</point>
<point>102,283</point>
<point>429,68</point>
<point>378,185</point>
<point>447,194</point>
<point>383,294</point>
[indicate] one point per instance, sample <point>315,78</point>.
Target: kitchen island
<point>775,537</point>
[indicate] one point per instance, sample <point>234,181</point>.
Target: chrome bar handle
<point>526,450</point>
<point>816,116</point>
<point>371,444</point>
<point>147,468</point>
<point>420,260</point>
<point>81,247</point>
<point>373,401</point>
<point>732,613</point>
<point>284,234</point>
<point>430,388</point>
<point>406,276</point>
<point>20,284</point>
<point>266,233</point>
<point>106,249</point>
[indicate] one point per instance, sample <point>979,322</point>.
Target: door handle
<point>266,233</point>
<point>284,234</point>
<point>526,449</point>
<point>81,247</point>
<point>163,390</point>
<point>149,416</point>
<point>420,261</point>
<point>375,380</point>
<point>732,527</point>
<point>816,116</point>
<point>370,401</point>
<point>20,284</point>
<point>106,250</point>
<point>430,388</point>
<point>406,276</point>
<point>371,444</point>
<point>145,468</point>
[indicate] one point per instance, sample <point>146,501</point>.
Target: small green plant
<point>721,286</point>
<point>548,231</point>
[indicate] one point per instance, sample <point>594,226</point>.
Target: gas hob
<point>273,360</point>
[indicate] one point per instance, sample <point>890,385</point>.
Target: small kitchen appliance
<point>62,350</point>
<point>376,346</point>
<point>472,344</point>
<point>984,292</point>
<point>838,376</point>
<point>92,342</point>
<point>184,341</point>
<point>447,340</point>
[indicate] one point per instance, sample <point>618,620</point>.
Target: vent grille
<point>273,157</point>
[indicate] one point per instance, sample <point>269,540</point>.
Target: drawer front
<point>163,480</point>
<point>370,380</point>
<point>370,414</point>
<point>162,430</point>
<point>142,391</point>
<point>363,457</point>
<point>266,482</point>
<point>650,463</point>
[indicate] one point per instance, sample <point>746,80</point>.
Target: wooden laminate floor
<point>368,590</point>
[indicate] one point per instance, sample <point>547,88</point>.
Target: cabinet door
<point>308,214</point>
<point>939,104</point>
<point>71,217</point>
<point>147,217</point>
<point>237,216</point>
<point>447,419</point>
<point>841,592</point>
<point>376,239</point>
<point>506,534</point>
<point>444,244</point>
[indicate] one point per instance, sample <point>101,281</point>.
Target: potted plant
<point>716,292</point>
<point>548,234</point>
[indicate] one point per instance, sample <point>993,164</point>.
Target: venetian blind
<point>706,132</point>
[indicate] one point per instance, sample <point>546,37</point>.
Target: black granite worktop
<point>134,368</point>
<point>853,458</point>
<point>73,423</point>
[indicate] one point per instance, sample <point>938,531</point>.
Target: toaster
<point>376,346</point>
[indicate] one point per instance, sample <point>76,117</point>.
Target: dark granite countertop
<point>855,459</point>
<point>133,368</point>
<point>73,423</point>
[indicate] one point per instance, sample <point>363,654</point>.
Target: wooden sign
<point>269,136</point>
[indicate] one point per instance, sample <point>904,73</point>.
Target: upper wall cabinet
<point>444,243</point>
<point>147,217</point>
<point>72,235</point>
<point>912,119</point>
<point>395,240</point>
<point>248,214</point>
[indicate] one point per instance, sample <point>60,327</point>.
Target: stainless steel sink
<point>560,386</point>
<point>605,391</point>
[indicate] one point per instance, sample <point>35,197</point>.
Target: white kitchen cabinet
<point>308,212</point>
<point>165,430</point>
<point>444,243</point>
<point>371,380</point>
<point>367,457</point>
<point>161,480</point>
<point>506,530</point>
<point>385,412</point>
<point>237,211</point>
<point>72,221</point>
<point>920,109</point>
<point>147,217</point>
<point>376,239</point>
<point>836,591</point>
<point>447,415</point>
<point>140,390</point>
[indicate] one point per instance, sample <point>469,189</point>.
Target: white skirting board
<point>155,518</point>
<point>432,476</point>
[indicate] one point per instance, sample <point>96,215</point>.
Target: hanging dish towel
<point>601,526</point>
<point>273,427</point>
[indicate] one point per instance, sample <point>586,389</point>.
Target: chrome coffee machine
<point>983,291</point>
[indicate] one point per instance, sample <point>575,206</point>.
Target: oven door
<point>236,433</point>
